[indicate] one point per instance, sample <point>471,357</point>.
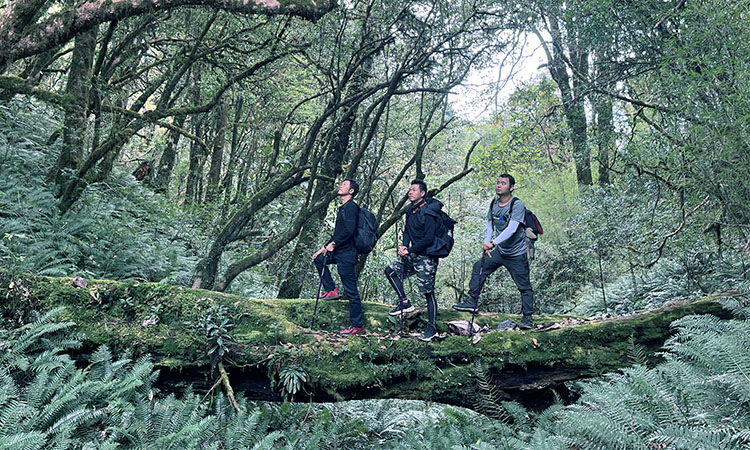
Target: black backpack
<point>443,235</point>
<point>366,234</point>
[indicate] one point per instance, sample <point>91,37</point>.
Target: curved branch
<point>64,26</point>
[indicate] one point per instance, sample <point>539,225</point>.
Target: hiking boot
<point>351,331</point>
<point>331,295</point>
<point>428,334</point>
<point>526,323</point>
<point>466,305</point>
<point>403,307</point>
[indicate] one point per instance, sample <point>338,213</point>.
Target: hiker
<point>416,255</point>
<point>340,250</point>
<point>508,248</point>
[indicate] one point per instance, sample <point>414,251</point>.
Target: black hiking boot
<point>466,305</point>
<point>428,334</point>
<point>526,323</point>
<point>402,307</point>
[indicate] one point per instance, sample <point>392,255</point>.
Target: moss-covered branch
<point>268,335</point>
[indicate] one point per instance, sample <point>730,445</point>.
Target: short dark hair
<point>353,185</point>
<point>510,178</point>
<point>421,183</point>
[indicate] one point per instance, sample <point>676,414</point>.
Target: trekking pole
<point>401,297</point>
<point>476,297</point>
<point>317,296</point>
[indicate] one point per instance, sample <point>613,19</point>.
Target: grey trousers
<point>518,266</point>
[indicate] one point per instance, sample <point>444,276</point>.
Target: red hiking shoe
<point>331,295</point>
<point>351,331</point>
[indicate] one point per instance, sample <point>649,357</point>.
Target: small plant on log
<point>292,380</point>
<point>217,326</point>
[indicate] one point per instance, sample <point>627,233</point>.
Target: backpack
<point>443,235</point>
<point>533,228</point>
<point>366,233</point>
<point>530,220</point>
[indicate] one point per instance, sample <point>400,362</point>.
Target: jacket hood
<point>432,207</point>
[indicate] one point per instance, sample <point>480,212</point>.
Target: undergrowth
<point>118,230</point>
<point>698,398</point>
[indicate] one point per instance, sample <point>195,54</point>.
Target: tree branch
<point>64,26</point>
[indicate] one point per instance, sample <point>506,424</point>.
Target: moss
<point>169,323</point>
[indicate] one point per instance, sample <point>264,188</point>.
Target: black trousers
<point>345,262</point>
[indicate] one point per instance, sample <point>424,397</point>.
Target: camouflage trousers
<point>424,267</point>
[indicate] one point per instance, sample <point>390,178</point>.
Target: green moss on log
<point>269,335</point>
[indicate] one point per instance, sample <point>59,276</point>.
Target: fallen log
<point>266,336</point>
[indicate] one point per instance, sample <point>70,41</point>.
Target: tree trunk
<point>605,129</point>
<point>573,102</point>
<point>379,365</point>
<point>605,136</point>
<point>226,184</point>
<point>330,169</point>
<point>76,117</point>
<point>577,116</point>
<point>217,155</point>
<point>195,167</point>
<point>167,160</point>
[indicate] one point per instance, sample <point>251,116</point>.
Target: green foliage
<point>118,230</point>
<point>292,380</point>
<point>697,399</point>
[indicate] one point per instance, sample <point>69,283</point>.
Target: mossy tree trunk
<point>169,323</point>
<point>76,116</point>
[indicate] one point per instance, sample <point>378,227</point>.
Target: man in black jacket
<point>415,255</point>
<point>340,250</point>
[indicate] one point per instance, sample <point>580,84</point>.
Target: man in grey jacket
<point>506,221</point>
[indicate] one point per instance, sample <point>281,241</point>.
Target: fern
<point>488,397</point>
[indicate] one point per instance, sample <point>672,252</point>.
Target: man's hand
<point>402,251</point>
<point>487,248</point>
<point>316,254</point>
<point>329,248</point>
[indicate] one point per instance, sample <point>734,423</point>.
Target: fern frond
<point>23,441</point>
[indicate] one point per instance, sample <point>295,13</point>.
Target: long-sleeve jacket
<point>346,226</point>
<point>421,226</point>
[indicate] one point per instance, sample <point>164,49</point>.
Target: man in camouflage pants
<point>418,244</point>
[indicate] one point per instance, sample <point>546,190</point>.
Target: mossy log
<point>269,335</point>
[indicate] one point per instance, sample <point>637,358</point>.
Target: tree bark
<point>605,136</point>
<point>605,129</point>
<point>195,165</point>
<point>167,160</point>
<point>570,92</point>
<point>20,38</point>
<point>217,155</point>
<point>234,151</point>
<point>76,116</point>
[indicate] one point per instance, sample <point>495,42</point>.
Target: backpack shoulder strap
<point>512,200</point>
